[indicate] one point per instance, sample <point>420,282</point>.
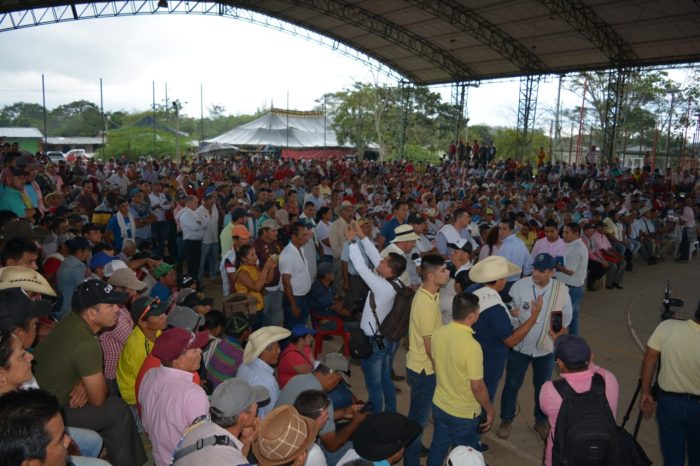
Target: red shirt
<point>290,358</point>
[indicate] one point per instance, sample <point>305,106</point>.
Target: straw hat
<point>404,233</point>
<point>283,435</point>
<point>260,339</point>
<point>491,269</point>
<point>16,276</point>
<point>344,205</point>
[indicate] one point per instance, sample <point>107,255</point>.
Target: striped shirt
<point>259,373</point>
<point>224,363</point>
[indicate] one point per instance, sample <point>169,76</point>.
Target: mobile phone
<point>367,407</point>
<point>557,321</point>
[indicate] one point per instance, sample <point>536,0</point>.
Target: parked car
<point>55,156</point>
<point>74,154</point>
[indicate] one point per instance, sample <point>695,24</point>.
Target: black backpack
<point>586,433</point>
<point>360,344</point>
<point>395,324</point>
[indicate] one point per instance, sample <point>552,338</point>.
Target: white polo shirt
<point>293,262</point>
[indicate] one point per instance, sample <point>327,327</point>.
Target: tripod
<point>626,418</point>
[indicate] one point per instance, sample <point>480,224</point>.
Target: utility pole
<point>177,106</point>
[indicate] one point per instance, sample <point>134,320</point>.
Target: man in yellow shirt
<point>149,315</point>
<point>460,393</point>
<point>420,373</point>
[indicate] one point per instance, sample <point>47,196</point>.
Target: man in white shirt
<point>296,281</point>
<point>192,235</point>
<point>573,271</point>
<point>209,215</point>
<point>159,229</point>
<point>452,232</point>
<point>377,367</point>
<point>687,221</point>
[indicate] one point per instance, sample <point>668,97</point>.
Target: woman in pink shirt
<point>575,362</point>
<point>296,358</point>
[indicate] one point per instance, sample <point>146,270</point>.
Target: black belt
<point>686,396</point>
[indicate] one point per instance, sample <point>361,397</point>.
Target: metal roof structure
<point>20,133</point>
<point>441,41</point>
<point>74,140</point>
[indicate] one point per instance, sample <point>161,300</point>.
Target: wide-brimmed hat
<point>16,276</point>
<point>260,339</point>
<point>404,233</point>
<point>491,269</point>
<point>283,435</point>
<point>383,435</point>
<point>344,205</point>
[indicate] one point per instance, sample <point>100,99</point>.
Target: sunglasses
<point>154,302</point>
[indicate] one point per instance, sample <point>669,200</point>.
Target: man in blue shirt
<point>513,250</point>
<point>322,299</point>
<point>167,277</point>
<point>399,215</point>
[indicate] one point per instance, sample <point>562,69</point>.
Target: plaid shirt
<point>112,341</point>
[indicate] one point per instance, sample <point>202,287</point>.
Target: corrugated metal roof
<point>74,140</point>
<point>20,133</point>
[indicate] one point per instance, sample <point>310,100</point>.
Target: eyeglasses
<point>154,302</point>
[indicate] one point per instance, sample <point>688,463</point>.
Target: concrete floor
<point>610,320</point>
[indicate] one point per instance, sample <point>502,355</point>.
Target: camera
<point>670,302</point>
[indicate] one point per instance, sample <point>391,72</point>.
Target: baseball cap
<point>184,317</point>
<point>113,266</point>
<point>271,224</point>
<point>572,350</point>
<point>337,363</point>
<point>16,308</point>
<point>465,456</point>
<point>174,341</point>
<point>324,268</point>
<point>461,245</point>
<point>145,307</point>
<point>544,262</point>
<point>240,231</point>
<point>185,281</point>
<point>92,292</point>
<point>196,299</point>
<point>233,396</point>
<point>301,330</point>
<point>126,278</point>
<point>383,435</point>
<point>237,324</point>
<point>100,260</point>
<point>162,269</point>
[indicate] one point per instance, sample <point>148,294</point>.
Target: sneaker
<point>542,428</point>
<point>504,429</point>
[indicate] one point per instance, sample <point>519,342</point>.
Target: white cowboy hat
<point>491,269</point>
<point>344,205</point>
<point>404,233</point>
<point>261,339</point>
<point>16,276</point>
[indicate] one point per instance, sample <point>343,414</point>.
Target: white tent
<point>284,128</point>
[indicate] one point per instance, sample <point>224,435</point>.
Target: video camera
<point>670,302</point>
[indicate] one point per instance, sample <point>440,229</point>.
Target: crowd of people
<point>109,326</point>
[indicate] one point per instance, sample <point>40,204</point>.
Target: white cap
<point>465,456</point>
<point>112,266</point>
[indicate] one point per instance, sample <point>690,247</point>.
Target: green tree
<point>79,118</point>
<point>22,114</point>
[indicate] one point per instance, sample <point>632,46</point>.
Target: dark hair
<point>575,227</point>
<point>464,304</point>
<point>309,204</point>
<point>551,223</point>
<point>16,247</point>
<point>509,222</point>
<point>397,205</point>
<point>321,212</point>
<point>7,216</point>
<point>24,415</point>
<point>213,319</point>
<point>458,213</point>
<point>5,347</point>
<point>397,264</point>
<point>121,201</point>
<point>310,403</point>
<point>102,247</point>
<point>430,263</point>
<point>297,229</point>
<point>56,221</point>
<point>244,251</point>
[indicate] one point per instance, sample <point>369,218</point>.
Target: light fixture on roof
<point>162,3</point>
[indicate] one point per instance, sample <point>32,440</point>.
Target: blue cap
<point>100,260</point>
<point>544,262</point>
<point>301,330</point>
<point>572,350</point>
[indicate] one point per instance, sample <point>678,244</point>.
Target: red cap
<point>175,341</point>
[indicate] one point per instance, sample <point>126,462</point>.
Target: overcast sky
<point>240,65</point>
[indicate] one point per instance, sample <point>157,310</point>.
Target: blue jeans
<point>377,371</point>
<point>422,391</point>
<point>272,312</point>
<point>451,431</point>
<point>210,253</point>
<point>159,236</point>
<point>515,374</point>
<point>289,319</point>
<point>89,441</point>
<point>576,294</point>
<point>679,429</point>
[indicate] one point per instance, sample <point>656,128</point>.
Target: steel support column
<point>458,98</point>
<point>527,106</point>
<point>614,111</point>
<point>406,96</point>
